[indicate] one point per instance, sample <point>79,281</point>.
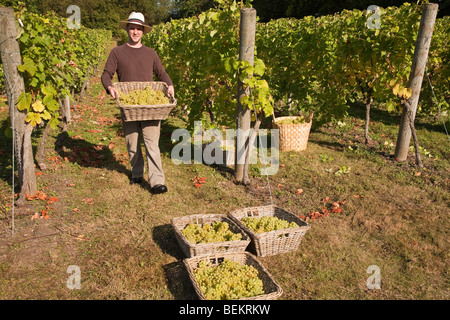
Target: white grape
<point>147,96</point>
<point>228,280</point>
<point>266,224</point>
<point>216,231</point>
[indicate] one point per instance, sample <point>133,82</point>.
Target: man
<point>135,62</point>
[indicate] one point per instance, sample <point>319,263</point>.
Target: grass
<point>121,238</point>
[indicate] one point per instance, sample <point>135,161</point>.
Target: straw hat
<point>135,18</point>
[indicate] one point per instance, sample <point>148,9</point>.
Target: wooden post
<point>10,55</point>
<point>67,113</point>
<point>415,79</point>
<point>246,53</point>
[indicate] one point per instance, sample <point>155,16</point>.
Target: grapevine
<point>56,59</point>
<point>216,231</point>
<point>229,280</point>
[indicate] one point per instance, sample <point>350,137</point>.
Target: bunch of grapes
<point>297,120</point>
<point>228,280</point>
<point>266,224</point>
<point>147,96</point>
<point>216,231</point>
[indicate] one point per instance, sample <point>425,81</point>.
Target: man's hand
<point>171,91</point>
<point>113,92</point>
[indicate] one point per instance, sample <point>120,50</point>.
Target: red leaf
<point>52,200</point>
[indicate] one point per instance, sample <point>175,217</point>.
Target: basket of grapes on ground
<point>272,229</point>
<point>204,234</point>
<point>231,276</point>
<point>140,101</point>
<point>294,131</point>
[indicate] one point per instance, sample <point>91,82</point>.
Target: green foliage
<point>100,14</point>
<point>321,64</point>
<point>277,9</point>
<point>55,60</point>
<point>201,54</point>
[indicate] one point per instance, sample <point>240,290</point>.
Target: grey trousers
<point>147,131</point>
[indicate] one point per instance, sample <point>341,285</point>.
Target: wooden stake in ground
<point>10,54</point>
<point>246,53</point>
<point>415,82</point>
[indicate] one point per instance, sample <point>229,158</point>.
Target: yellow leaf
<point>33,118</point>
<point>396,88</point>
<point>38,106</point>
<point>408,93</point>
<point>46,115</point>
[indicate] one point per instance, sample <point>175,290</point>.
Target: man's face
<point>135,32</point>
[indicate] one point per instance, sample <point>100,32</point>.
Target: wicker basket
<point>271,287</point>
<point>293,136</point>
<point>192,249</point>
<point>273,242</point>
<point>144,112</point>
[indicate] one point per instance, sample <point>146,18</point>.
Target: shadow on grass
<point>166,147</point>
<point>393,119</point>
<point>178,281</point>
<point>86,154</point>
<point>176,274</point>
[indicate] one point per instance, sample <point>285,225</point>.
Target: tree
<point>101,14</point>
<point>10,56</point>
<point>268,10</point>
<point>189,8</point>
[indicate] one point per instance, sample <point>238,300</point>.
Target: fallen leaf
<point>89,201</point>
<point>52,200</point>
<point>41,195</point>
<point>44,214</point>
<point>336,210</point>
<point>299,191</point>
<point>198,181</point>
